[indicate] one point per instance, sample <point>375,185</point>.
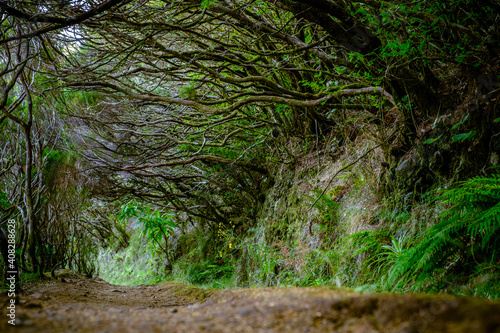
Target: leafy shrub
<point>465,236</point>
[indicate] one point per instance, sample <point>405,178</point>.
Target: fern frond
<point>474,216</point>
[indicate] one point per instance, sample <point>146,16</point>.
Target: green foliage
<point>393,251</point>
<point>264,260</point>
<point>208,272</point>
<point>188,91</point>
<point>461,122</point>
<point>465,236</point>
<point>207,3</point>
<point>390,253</point>
<point>429,141</point>
<point>4,203</point>
<point>30,276</point>
<point>365,242</point>
<point>85,255</point>
<point>319,268</point>
<point>328,205</point>
<point>129,210</point>
<point>156,225</point>
<point>55,160</point>
<point>132,265</point>
<point>237,65</point>
<point>463,136</point>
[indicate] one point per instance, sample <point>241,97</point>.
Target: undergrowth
<point>446,242</point>
<point>210,272</point>
<point>413,249</point>
<point>133,265</point>
<point>463,242</point>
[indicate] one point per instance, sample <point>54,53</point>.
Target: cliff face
<point>308,213</point>
<point>350,215</point>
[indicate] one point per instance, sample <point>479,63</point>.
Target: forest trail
<point>75,304</point>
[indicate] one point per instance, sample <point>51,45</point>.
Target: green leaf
<point>460,123</point>
<point>436,122</point>
<point>429,141</point>
<point>463,136</point>
<point>308,38</point>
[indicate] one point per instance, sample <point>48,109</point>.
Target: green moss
<point>336,192</point>
<point>187,292</point>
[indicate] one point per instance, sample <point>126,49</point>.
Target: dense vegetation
<point>254,142</point>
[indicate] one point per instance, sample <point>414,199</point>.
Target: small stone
<point>317,315</point>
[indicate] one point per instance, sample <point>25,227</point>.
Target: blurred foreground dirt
<point>75,304</point>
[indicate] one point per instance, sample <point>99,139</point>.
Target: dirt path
<point>75,304</point>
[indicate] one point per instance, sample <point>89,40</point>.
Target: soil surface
<point>75,304</point>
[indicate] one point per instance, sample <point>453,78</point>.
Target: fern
<point>473,219</point>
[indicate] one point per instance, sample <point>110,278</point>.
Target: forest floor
<point>75,304</point>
